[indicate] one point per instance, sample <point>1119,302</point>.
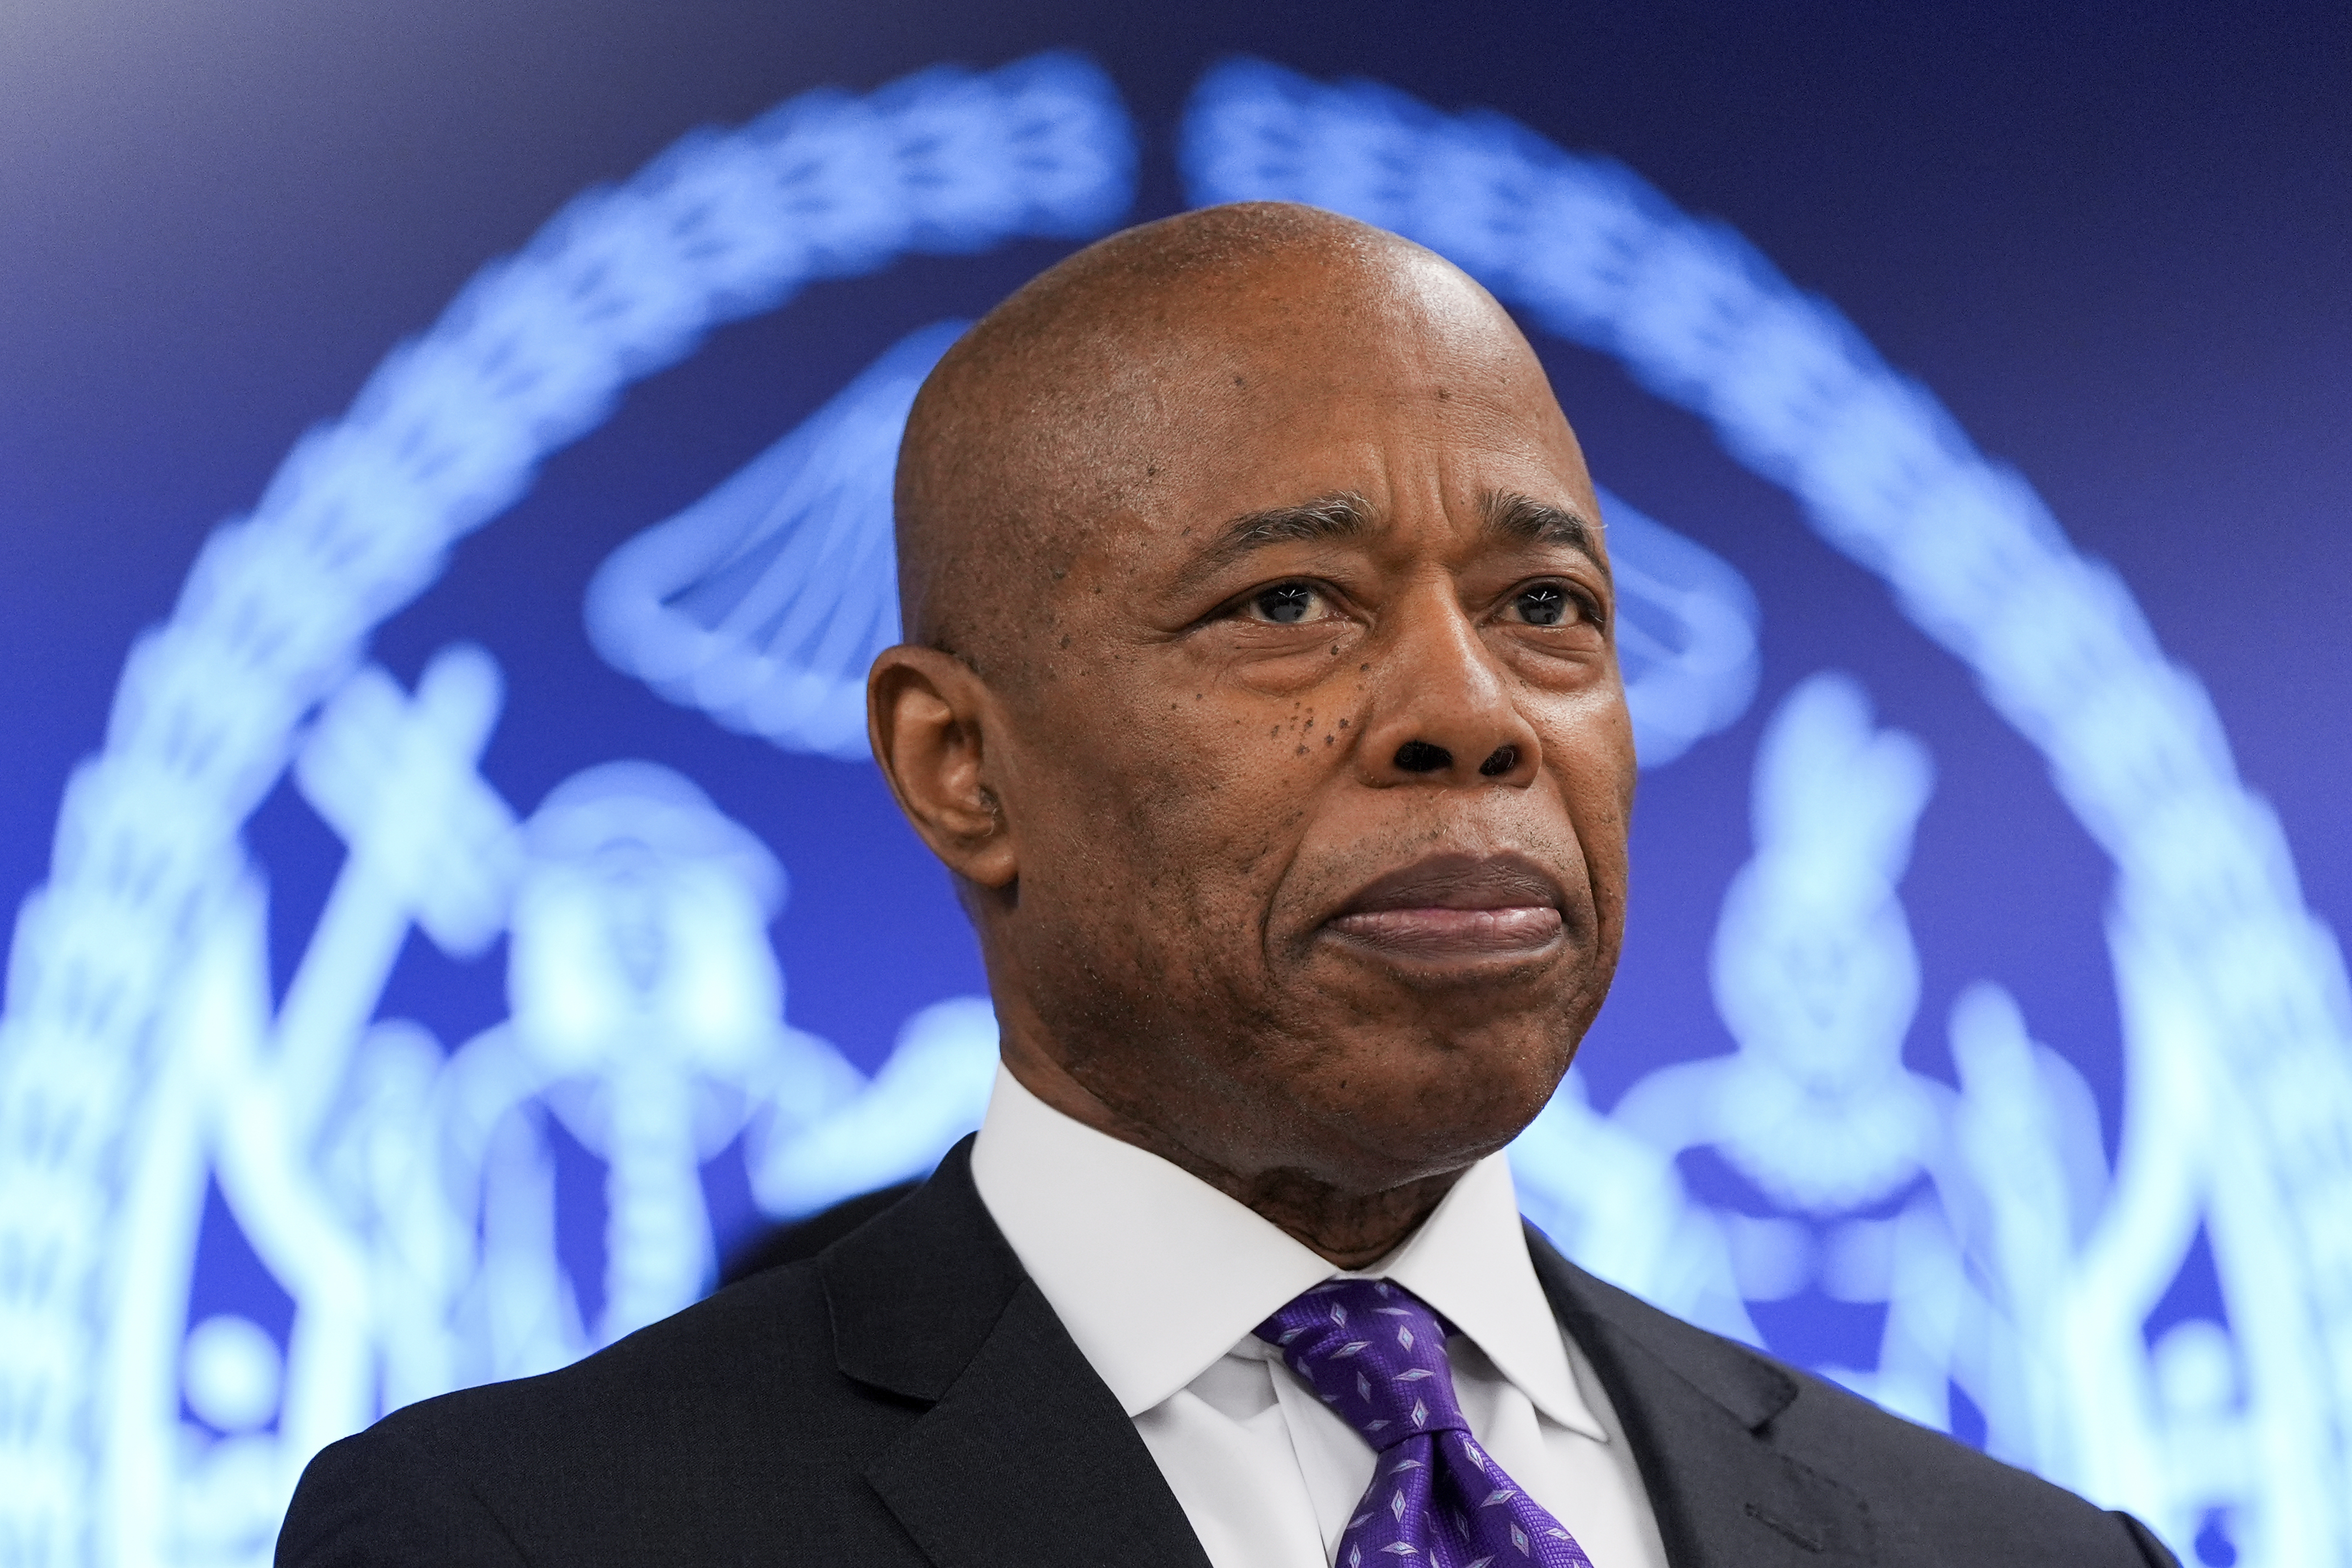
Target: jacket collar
<point>1698,1411</point>
<point>1023,1454</point>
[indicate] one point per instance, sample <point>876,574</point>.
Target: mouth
<point>1452,909</point>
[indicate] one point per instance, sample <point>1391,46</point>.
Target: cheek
<point>1191,803</point>
<point>1220,804</point>
<point>1590,753</point>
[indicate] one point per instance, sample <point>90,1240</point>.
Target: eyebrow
<point>1535,522</point>
<point>1345,515</point>
<point>1340,516</point>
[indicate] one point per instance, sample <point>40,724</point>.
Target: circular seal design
<point>139,1060</point>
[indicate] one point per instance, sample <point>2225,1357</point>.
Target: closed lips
<point>1455,906</point>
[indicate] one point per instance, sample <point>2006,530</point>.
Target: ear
<point>928,716</point>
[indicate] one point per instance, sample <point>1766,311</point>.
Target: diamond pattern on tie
<point>1436,1497</point>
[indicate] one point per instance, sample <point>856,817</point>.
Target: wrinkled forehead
<point>1322,384</point>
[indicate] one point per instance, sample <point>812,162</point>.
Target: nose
<point>1425,757</point>
<point>1442,708</point>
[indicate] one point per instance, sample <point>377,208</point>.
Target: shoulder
<point>1709,1418</point>
<point>757,1351</point>
<point>1928,1493</point>
<point>688,1430</point>
<point>753,1416</point>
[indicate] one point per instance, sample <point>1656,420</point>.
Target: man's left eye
<point>1288,603</point>
<point>1545,604</point>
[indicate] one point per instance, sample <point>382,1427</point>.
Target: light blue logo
<point>402,1192</point>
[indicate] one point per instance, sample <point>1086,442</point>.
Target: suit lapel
<point>1697,1411</point>
<point>1023,1455</point>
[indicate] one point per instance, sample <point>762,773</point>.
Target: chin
<point>1421,1102</point>
<point>1452,1008</point>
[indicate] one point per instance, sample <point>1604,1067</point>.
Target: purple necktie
<point>1376,1355</point>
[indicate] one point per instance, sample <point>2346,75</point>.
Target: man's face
<point>1319,777</point>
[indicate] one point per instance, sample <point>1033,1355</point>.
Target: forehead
<point>1120,424</point>
<point>1411,402</point>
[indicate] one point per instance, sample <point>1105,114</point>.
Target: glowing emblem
<point>765,602</point>
<point>402,1194</point>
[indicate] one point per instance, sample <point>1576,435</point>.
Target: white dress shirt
<point>1160,1278</point>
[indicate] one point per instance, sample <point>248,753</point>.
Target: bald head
<point>1106,379</point>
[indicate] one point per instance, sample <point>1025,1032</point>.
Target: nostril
<point>1505,759</point>
<point>1420,757</point>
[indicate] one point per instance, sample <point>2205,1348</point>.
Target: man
<point>1261,696</point>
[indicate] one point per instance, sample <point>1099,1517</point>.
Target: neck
<point>1351,1229</point>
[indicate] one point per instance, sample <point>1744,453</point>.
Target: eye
<point>1546,605</point>
<point>1287,603</point>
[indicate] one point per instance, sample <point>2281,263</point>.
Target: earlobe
<point>930,719</point>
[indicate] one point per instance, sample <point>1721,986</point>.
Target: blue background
<point>2113,245</point>
<point>2116,248</point>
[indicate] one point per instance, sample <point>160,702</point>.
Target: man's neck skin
<point>1351,1230</point>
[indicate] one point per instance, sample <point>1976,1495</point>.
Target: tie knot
<point>1375,1353</point>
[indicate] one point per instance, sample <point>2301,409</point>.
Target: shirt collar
<point>1152,1302</point>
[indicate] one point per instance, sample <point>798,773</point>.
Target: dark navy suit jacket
<point>908,1398</point>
